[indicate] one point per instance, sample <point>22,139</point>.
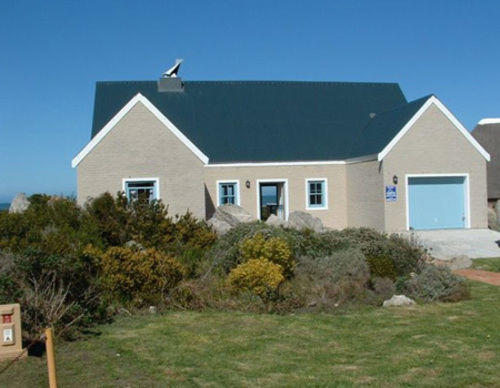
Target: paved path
<point>445,244</point>
<point>480,275</point>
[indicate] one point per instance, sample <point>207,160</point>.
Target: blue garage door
<point>436,202</point>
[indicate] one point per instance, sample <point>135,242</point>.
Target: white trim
<point>112,123</point>
<point>237,181</point>
<point>271,164</point>
<point>489,121</point>
<point>325,206</point>
<point>466,194</point>
<point>448,114</point>
<point>285,186</point>
<point>147,179</point>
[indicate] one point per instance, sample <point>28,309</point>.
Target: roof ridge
<point>257,82</point>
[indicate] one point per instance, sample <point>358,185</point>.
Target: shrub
<point>381,267</point>
<point>383,287</point>
<point>259,276</point>
<point>273,249</point>
<point>139,276</point>
<point>436,283</point>
<point>325,282</point>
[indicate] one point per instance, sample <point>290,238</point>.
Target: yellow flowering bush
<point>259,276</point>
<point>133,275</point>
<point>273,249</point>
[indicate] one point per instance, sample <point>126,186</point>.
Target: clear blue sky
<point>53,52</point>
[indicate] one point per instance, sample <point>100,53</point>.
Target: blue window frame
<point>141,190</point>
<point>316,194</point>
<point>228,193</point>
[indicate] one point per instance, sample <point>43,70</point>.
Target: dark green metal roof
<point>257,121</point>
<point>382,128</point>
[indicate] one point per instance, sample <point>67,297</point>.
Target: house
<point>352,154</point>
<point>487,133</point>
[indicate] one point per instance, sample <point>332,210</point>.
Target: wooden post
<point>51,362</point>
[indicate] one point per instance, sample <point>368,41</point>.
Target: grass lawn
<point>487,264</point>
<point>456,344</point>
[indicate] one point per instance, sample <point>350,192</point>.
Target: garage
<point>437,202</point>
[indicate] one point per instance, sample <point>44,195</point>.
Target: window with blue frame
<point>141,190</point>
<point>228,193</point>
<point>316,194</point>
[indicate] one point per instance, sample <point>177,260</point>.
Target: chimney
<point>169,82</point>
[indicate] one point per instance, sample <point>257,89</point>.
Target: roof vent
<point>169,82</point>
<point>372,115</point>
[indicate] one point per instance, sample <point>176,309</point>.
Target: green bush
<point>382,267</point>
<point>140,277</point>
<point>435,283</point>
<point>259,276</point>
<point>324,283</point>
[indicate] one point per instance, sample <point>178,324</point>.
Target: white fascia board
<point>271,164</point>
<point>448,114</point>
<point>489,121</point>
<point>154,110</point>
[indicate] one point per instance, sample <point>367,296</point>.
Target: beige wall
<point>434,146</point>
<point>141,146</point>
<point>365,196</point>
<point>334,217</point>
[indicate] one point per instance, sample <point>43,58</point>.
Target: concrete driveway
<point>445,244</point>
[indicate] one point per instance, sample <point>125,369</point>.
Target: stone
<point>492,219</point>
<point>19,204</point>
<point>459,262</point>
<point>233,214</point>
<point>399,300</point>
<point>302,220</point>
<point>152,310</point>
<point>274,220</point>
<point>220,227</point>
<point>132,244</point>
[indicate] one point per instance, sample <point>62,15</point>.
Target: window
<point>146,190</point>
<point>316,194</point>
<point>228,193</point>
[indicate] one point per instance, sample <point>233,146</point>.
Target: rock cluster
<point>229,215</point>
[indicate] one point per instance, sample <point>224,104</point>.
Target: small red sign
<point>7,318</point>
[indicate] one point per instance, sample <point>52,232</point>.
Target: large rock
<point>457,262</point>
<point>233,214</point>
<point>274,220</point>
<point>220,227</point>
<point>492,219</point>
<point>398,300</point>
<point>302,220</point>
<point>19,204</point>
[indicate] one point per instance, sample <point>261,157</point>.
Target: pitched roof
<point>382,128</point>
<point>270,121</point>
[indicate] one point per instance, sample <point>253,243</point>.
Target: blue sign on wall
<point>391,194</point>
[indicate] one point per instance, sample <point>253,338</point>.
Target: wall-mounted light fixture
<point>247,184</point>
<point>395,179</point>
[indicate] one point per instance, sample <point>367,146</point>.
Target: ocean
<point>4,206</point>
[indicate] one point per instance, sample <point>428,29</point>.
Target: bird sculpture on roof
<point>172,72</point>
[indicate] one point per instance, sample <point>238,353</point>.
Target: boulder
<point>220,227</point>
<point>302,220</point>
<point>274,220</point>
<point>457,262</point>
<point>233,214</point>
<point>492,219</point>
<point>19,204</point>
<point>398,300</point>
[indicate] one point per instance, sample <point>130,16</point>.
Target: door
<point>271,198</point>
<point>436,202</point>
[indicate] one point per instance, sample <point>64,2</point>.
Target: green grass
<point>487,264</point>
<point>438,345</point>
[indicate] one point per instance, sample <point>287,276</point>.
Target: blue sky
<point>53,52</point>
